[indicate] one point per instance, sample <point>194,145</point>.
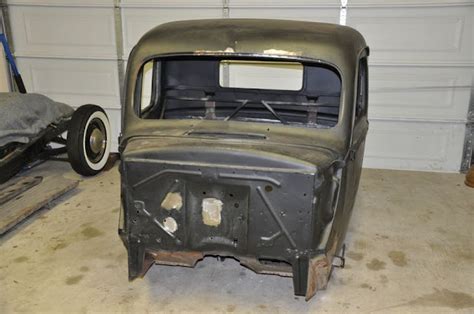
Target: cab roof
<point>338,46</point>
<point>332,43</point>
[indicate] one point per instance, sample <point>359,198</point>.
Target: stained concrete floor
<point>410,249</point>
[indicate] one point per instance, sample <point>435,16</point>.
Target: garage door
<point>421,64</point>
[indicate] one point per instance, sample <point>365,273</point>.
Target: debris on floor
<point>22,196</point>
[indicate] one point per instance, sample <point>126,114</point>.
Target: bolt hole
<point>204,193</point>
<point>304,194</point>
<point>236,205</point>
<point>268,188</point>
<point>231,195</point>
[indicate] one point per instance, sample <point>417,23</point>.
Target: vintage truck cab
<point>243,138</point>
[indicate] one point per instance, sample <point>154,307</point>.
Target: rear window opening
<point>251,90</point>
<point>265,75</point>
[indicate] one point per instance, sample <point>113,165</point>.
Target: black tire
<point>88,140</point>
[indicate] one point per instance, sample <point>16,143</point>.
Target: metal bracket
<point>312,115</point>
<point>225,8</point>
<point>468,151</point>
<point>119,48</point>
<point>340,258</point>
<point>280,223</point>
<point>343,12</point>
<point>210,110</point>
<point>6,29</point>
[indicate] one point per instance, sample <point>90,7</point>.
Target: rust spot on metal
<point>470,177</point>
<point>188,259</point>
<point>319,269</point>
<point>318,273</point>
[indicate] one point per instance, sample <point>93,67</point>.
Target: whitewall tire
<point>89,140</point>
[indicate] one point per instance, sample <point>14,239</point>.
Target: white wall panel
<point>420,80</point>
<point>137,22</point>
<point>414,145</point>
<point>439,93</point>
<point>418,35</point>
<point>284,3</point>
<point>63,31</point>
<point>407,3</point>
<point>70,3</point>
<point>327,15</point>
<point>186,4</point>
<point>75,82</point>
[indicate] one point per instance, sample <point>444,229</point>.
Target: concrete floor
<point>410,249</point>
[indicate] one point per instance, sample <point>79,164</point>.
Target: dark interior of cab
<point>191,88</point>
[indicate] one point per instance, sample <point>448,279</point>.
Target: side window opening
<point>362,89</point>
<point>207,88</point>
<point>147,92</point>
<point>146,86</point>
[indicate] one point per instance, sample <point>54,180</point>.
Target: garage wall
<point>66,50</point>
<point>420,81</point>
<point>421,64</point>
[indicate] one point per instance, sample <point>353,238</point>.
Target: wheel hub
<point>97,141</point>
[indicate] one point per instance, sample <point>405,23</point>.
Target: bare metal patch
<point>170,224</point>
<point>280,52</point>
<point>227,50</point>
<point>211,211</point>
<point>173,200</point>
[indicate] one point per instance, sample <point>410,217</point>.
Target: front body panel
<point>268,177</point>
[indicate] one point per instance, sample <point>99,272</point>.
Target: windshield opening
<point>251,90</point>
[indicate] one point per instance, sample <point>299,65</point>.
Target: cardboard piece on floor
<point>23,205</point>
